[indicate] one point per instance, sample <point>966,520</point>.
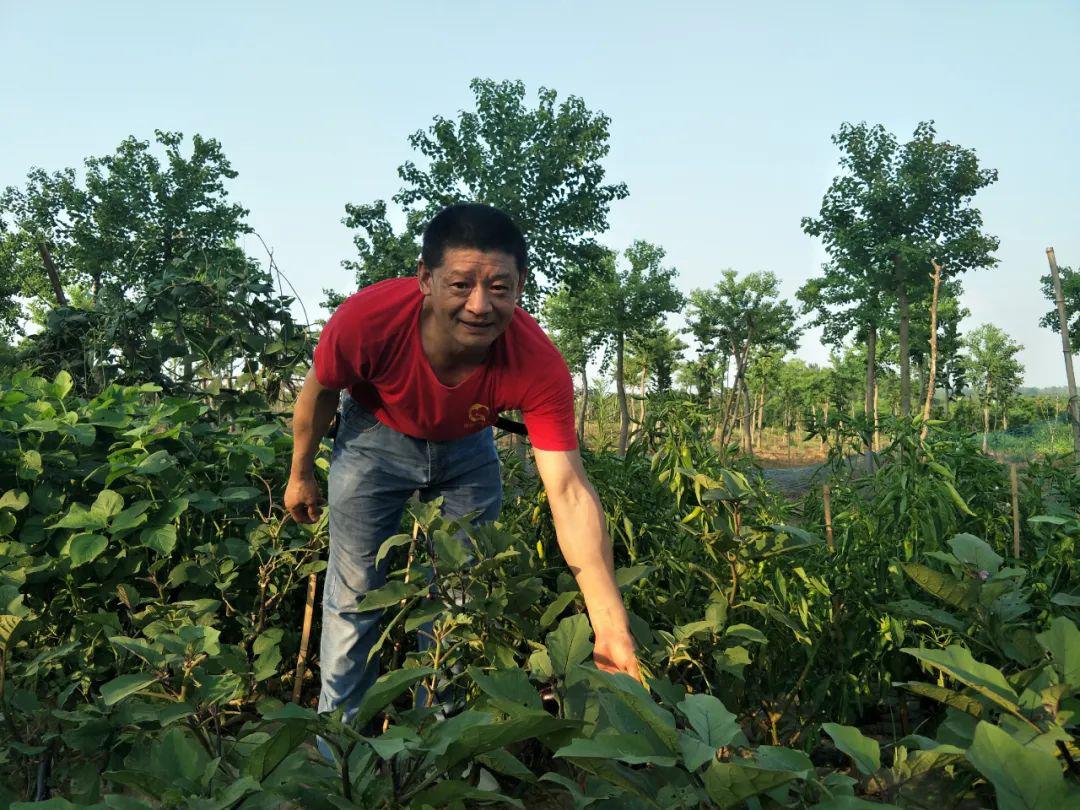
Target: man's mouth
<point>477,326</point>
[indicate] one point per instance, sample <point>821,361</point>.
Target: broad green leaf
<point>914,609</point>
<point>1062,642</point>
<point>1023,778</point>
<point>155,463</point>
<point>108,503</point>
<point>746,633</point>
<point>961,594</point>
<point>852,803</point>
<point>388,595</point>
<point>9,629</point>
<point>62,384</point>
<point>557,606</point>
<point>729,784</point>
<point>629,748</point>
<point>161,539</point>
<point>1065,600</point>
<point>1054,520</point>
<point>983,678</point>
<point>454,792</point>
<point>450,551</point>
<point>270,753</point>
<point>119,688</point>
<point>385,691</point>
<point>508,689</point>
<point>390,544</point>
<point>694,752</point>
<point>711,721</point>
<point>142,781</point>
<point>15,500</point>
<point>131,518</point>
<point>569,643</point>
<point>774,758</point>
<point>478,739</point>
<point>79,517</point>
<point>86,548</point>
<point>501,761</point>
<point>625,577</point>
<point>30,465</point>
<point>136,646</point>
<point>975,552</point>
<point>961,702</point>
<point>864,752</point>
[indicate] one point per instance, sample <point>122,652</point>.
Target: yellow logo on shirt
<point>478,415</point>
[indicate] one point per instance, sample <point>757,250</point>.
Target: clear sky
<point>721,113</point>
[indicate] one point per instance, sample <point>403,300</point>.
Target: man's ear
<point>423,275</point>
<point>522,276</point>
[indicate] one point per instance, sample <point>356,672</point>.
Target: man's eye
<point>459,285</point>
<point>499,288</point>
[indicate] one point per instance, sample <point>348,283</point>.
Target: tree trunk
<point>644,373</point>
<point>620,388</point>
<point>930,381</point>
<point>904,347</point>
<point>584,404</point>
<point>986,416</point>
<point>760,417</point>
<point>1063,327</point>
<point>52,273</point>
<point>748,418</point>
<point>870,399</point>
<point>877,437</point>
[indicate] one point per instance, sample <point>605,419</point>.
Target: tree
<point>542,165</point>
<point>1070,293</point>
<point>152,283</point>
<point>992,370</point>
<point>652,355</point>
<point>620,304</point>
<point>744,317</point>
<point>895,209</point>
<point>567,320</point>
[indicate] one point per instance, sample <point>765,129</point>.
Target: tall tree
<point>992,370</point>
<point>146,252</point>
<point>567,319</point>
<point>1070,293</point>
<point>543,165</point>
<point>623,301</point>
<point>746,317</point>
<point>895,208</point>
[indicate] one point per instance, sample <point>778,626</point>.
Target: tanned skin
<point>469,300</point>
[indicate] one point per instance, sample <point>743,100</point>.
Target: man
<point>428,363</point>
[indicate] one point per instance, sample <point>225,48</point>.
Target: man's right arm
<point>312,414</point>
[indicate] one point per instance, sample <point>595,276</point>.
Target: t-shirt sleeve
<point>339,353</point>
<point>548,408</point>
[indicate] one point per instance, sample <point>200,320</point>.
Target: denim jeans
<point>374,470</point>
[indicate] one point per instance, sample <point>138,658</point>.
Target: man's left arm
<point>587,549</point>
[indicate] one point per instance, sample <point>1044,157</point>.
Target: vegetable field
<point>154,603</point>
<point>896,627</point>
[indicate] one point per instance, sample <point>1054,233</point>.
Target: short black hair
<point>473,225</point>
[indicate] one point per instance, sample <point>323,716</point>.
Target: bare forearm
<point>586,547</point>
<point>314,410</point>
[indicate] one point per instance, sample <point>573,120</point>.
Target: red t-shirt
<point>371,345</point>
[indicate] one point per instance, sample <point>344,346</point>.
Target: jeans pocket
<point>359,418</point>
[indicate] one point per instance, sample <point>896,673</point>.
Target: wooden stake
<point>828,517</point>
<point>305,637</point>
<point>1063,327</point>
<point>1015,510</point>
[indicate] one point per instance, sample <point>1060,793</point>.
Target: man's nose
<point>479,301</point>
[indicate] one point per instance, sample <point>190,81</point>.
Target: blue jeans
<point>374,470</point>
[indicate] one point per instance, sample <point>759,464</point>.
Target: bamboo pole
<point>1063,327</point>
<point>1014,485</point>
<point>828,517</point>
<point>305,637</point>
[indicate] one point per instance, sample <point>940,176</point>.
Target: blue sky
<point>721,113</point>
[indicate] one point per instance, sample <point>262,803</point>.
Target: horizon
<point>310,119</point>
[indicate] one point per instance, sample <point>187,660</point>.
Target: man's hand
<point>614,652</point>
<point>303,499</point>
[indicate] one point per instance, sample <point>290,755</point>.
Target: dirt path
<point>793,481</point>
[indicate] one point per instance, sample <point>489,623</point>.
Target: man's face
<point>472,295</point>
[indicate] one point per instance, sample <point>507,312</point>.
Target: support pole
<point>305,637</point>
<point>1013,484</point>
<point>1063,327</point>
<point>828,517</point>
